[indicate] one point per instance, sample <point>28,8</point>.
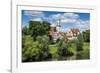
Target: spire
<point>58,22</point>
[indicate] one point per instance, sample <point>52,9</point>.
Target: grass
<point>85,54</point>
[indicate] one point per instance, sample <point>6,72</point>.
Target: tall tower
<point>58,24</point>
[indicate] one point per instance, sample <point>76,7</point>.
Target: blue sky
<point>67,19</point>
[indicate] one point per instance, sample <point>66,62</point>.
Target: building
<point>55,32</point>
<point>70,35</point>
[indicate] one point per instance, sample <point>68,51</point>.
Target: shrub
<point>79,42</point>
<point>30,52</point>
<point>63,50</point>
<point>43,45</point>
<point>35,50</point>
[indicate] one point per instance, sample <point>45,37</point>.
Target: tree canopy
<point>37,28</point>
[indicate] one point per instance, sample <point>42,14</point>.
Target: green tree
<point>43,45</point>
<point>30,52</point>
<point>86,35</point>
<point>63,50</point>
<point>25,31</point>
<point>79,42</point>
<point>37,28</point>
<point>35,50</point>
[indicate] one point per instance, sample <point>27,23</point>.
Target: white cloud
<point>65,18</point>
<point>65,21</point>
<point>70,19</point>
<point>54,17</point>
<point>36,19</point>
<point>33,13</point>
<point>83,24</point>
<point>71,15</point>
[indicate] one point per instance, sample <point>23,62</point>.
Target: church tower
<point>58,24</point>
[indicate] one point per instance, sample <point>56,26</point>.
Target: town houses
<point>55,32</point>
<point>70,34</point>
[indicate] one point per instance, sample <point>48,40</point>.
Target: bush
<point>30,52</point>
<point>79,42</point>
<point>63,50</point>
<point>35,50</point>
<point>43,45</point>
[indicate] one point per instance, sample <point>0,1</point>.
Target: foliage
<point>79,42</point>
<point>85,54</point>
<point>35,41</point>
<point>29,49</point>
<point>63,50</point>
<point>43,42</point>
<point>35,50</point>
<point>86,35</point>
<point>25,31</point>
<point>53,50</point>
<point>72,46</point>
<point>37,28</point>
<point>38,46</point>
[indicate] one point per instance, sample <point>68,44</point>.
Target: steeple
<point>58,24</point>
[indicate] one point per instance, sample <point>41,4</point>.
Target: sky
<point>68,20</point>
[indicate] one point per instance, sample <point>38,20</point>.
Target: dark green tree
<point>43,45</point>
<point>86,35</point>
<point>63,50</point>
<point>25,31</point>
<point>37,28</point>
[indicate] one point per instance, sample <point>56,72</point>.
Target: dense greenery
<point>35,41</point>
<point>63,50</point>
<point>79,43</point>
<point>43,45</point>
<point>86,35</point>
<point>30,51</point>
<point>25,31</point>
<point>38,28</point>
<point>37,45</point>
